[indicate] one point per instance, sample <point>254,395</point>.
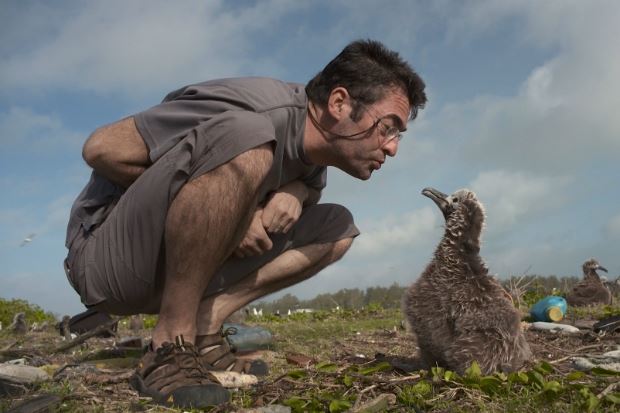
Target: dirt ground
<point>94,375</point>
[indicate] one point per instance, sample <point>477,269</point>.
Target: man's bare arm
<point>117,152</point>
<point>256,240</point>
<point>284,206</point>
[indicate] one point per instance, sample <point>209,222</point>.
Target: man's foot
<point>217,354</point>
<point>174,375</point>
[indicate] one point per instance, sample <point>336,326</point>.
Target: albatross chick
<point>590,290</point>
<point>457,311</point>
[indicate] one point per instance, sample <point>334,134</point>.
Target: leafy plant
<point>34,313</point>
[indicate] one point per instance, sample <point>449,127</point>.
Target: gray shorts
<point>119,267</point>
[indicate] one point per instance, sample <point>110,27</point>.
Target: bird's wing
<point>27,239</point>
<point>586,290</point>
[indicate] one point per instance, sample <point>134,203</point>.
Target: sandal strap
<point>214,355</point>
<point>227,362</point>
<point>173,366</point>
<point>210,340</point>
<point>217,353</point>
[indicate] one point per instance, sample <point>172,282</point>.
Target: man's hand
<point>256,240</point>
<point>283,208</point>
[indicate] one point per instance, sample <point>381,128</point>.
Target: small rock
<point>584,324</point>
<point>299,360</point>
<point>613,353</point>
<point>130,342</point>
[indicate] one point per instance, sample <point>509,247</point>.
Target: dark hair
<point>367,69</point>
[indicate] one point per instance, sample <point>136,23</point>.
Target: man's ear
<point>339,103</point>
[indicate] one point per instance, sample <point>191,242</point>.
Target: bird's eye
<point>455,199</point>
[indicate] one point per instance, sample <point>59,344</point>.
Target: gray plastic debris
<point>609,361</point>
<point>22,374</point>
<point>247,338</point>
<point>554,327</point>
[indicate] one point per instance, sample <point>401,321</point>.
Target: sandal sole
<point>196,396</point>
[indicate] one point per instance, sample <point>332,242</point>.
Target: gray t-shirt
<point>221,111</point>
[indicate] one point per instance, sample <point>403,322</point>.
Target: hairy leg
<point>292,267</point>
<point>205,223</point>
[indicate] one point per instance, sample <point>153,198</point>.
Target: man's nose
<point>391,147</point>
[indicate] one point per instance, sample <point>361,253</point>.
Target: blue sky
<point>522,109</point>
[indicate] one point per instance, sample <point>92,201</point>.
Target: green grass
<point>329,386</point>
<point>314,333</point>
<point>334,384</point>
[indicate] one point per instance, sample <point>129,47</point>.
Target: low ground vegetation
<point>34,313</point>
<point>336,360</point>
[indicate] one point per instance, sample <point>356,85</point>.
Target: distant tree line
<point>390,297</point>
<point>345,299</point>
<point>8,308</point>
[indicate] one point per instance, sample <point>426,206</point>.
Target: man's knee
<point>324,223</point>
<point>340,248</point>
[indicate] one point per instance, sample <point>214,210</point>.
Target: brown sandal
<point>217,353</point>
<point>174,375</point>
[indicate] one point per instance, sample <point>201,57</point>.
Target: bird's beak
<point>439,198</point>
<point>600,267</point>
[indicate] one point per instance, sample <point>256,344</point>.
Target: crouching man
<point>208,201</point>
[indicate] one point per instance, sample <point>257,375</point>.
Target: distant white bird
<point>28,239</point>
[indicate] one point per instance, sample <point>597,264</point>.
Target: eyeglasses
<point>389,133</point>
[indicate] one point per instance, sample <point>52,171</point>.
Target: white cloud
<point>388,234</point>
<point>537,90</point>
<point>613,227</point>
<point>24,130</point>
<point>563,116</point>
<point>37,288</point>
<point>521,260</point>
<point>510,197</point>
<point>130,48</point>
<point>518,152</point>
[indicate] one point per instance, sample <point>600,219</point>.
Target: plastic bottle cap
<point>555,314</point>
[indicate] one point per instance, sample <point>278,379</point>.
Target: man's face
<point>361,155</point>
